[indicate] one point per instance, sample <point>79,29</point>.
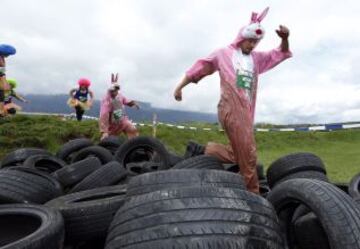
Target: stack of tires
<point>313,212</point>
<point>192,208</point>
<point>136,194</point>
<point>316,214</point>
<point>72,195</point>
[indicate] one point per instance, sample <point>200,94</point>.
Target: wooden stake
<point>154,124</point>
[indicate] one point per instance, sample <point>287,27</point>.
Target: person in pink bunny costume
<point>113,120</point>
<point>239,67</point>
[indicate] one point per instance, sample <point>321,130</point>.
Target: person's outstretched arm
<point>199,70</point>
<point>178,91</point>
<point>92,96</point>
<point>72,91</point>
<point>267,60</point>
<point>133,103</point>
<point>19,97</point>
<point>283,32</point>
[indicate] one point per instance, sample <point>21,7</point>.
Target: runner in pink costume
<point>239,67</point>
<point>113,120</point>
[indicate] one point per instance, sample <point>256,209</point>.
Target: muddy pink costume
<point>236,108</point>
<point>110,123</point>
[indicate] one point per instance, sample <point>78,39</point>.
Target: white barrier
<point>326,127</point>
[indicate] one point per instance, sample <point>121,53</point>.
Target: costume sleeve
<point>203,67</point>
<point>126,101</point>
<point>267,60</point>
<point>15,95</point>
<point>72,92</point>
<point>104,120</point>
<point>92,96</point>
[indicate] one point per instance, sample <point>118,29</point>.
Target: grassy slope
<point>339,150</point>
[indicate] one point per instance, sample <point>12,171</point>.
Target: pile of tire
<point>313,212</point>
<point>70,198</point>
<point>136,194</point>
<point>191,208</point>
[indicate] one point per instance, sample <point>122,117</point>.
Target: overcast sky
<point>151,43</point>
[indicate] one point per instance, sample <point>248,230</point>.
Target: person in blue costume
<point>80,98</point>
<point>5,51</point>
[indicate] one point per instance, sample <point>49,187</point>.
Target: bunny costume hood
<point>236,109</point>
<point>114,83</point>
<point>253,30</point>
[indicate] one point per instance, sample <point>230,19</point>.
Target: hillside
<point>339,149</point>
<point>57,104</point>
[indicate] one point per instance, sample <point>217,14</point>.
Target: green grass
<point>339,149</point>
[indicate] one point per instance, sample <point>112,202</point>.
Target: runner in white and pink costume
<point>239,67</point>
<point>113,120</point>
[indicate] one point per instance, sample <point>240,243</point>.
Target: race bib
<point>117,114</point>
<point>244,79</point>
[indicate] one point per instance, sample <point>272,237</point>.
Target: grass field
<point>339,149</point>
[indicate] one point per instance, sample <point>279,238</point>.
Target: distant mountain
<point>57,104</point>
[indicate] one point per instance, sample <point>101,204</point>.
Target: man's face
<point>248,45</point>
<point>114,93</point>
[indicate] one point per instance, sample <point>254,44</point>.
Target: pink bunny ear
<point>116,77</point>
<point>112,78</point>
<point>263,14</point>
<point>253,17</point>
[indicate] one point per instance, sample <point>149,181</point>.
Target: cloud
<point>152,43</point>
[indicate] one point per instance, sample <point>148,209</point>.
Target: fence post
<point>154,124</point>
